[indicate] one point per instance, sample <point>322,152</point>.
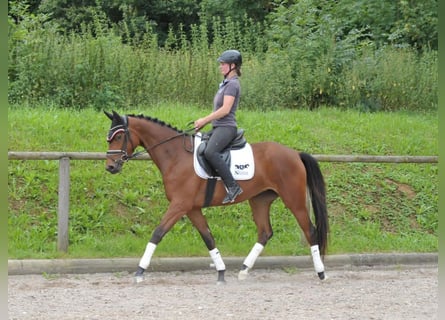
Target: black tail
<point>317,192</point>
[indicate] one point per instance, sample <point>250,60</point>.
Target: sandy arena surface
<point>351,293</point>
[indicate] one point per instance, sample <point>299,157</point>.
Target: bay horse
<point>280,171</point>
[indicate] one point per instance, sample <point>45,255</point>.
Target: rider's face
<point>224,67</point>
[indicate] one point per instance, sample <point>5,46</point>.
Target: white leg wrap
<point>318,264</point>
<point>217,260</point>
<point>253,255</point>
<point>146,258</point>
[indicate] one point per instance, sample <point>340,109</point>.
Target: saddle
<point>237,143</point>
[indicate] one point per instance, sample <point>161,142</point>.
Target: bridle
<point>123,151</point>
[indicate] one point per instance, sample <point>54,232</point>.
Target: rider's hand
<point>199,124</point>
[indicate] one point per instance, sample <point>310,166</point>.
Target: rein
<point>184,133</point>
<point>125,157</point>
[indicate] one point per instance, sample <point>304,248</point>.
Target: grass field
<point>372,207</point>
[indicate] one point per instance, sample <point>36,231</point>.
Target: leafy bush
<point>303,57</point>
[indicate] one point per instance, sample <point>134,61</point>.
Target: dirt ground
<point>349,293</point>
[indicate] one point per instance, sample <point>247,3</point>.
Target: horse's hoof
<point>139,279</point>
<point>221,276</point>
<point>322,276</point>
<point>243,274</point>
<point>221,282</point>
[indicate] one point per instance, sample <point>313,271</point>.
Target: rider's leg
<point>220,138</point>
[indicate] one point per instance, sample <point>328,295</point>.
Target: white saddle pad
<point>242,165</point>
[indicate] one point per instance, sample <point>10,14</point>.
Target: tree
<point>417,24</point>
<point>401,23</point>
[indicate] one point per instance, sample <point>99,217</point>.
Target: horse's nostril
<point>113,168</point>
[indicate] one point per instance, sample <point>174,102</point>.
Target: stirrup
<point>232,193</point>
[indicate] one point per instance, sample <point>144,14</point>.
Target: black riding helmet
<point>231,56</point>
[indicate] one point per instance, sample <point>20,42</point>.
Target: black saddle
<point>237,143</point>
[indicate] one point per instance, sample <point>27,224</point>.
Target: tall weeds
<point>113,67</point>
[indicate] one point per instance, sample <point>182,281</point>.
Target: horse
<point>280,171</point>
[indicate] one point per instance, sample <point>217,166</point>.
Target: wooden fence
<point>64,159</point>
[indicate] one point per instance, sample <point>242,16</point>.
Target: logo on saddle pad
<point>238,157</point>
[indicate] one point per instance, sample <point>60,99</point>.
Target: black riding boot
<point>223,170</point>
<point>233,191</point>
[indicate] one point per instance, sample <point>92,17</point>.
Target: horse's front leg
<point>200,223</point>
<point>173,214</point>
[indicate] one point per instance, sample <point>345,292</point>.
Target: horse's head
<point>120,145</point>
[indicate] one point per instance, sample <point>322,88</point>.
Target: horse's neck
<point>170,156</point>
<point>165,146</point>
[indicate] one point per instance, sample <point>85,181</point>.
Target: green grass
<point>372,207</point>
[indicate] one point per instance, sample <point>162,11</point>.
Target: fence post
<point>64,203</point>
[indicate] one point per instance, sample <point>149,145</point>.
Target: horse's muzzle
<point>114,168</point>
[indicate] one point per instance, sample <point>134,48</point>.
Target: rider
<point>223,119</point>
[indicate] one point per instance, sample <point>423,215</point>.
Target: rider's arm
<point>217,114</point>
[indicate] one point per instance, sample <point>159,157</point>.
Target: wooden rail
<point>20,155</point>
<point>64,175</point>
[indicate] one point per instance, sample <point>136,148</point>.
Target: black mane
<point>157,121</point>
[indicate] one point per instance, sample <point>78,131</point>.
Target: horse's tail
<point>317,192</point>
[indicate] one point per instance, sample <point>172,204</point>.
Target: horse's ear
<point>109,115</point>
<point>116,115</point>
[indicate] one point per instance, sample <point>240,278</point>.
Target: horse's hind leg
<point>298,204</point>
<point>260,206</point>
<point>200,223</point>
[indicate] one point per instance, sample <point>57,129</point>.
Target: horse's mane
<point>157,121</point>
